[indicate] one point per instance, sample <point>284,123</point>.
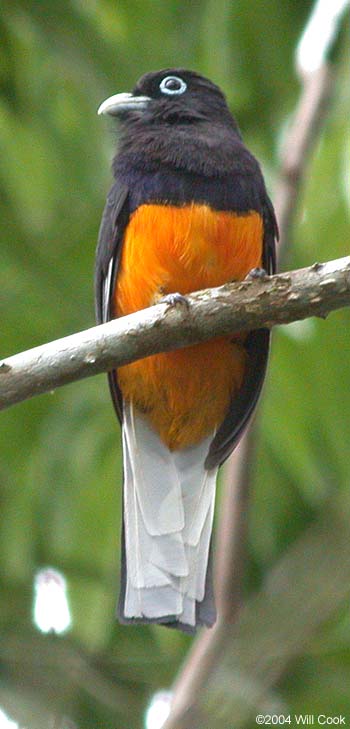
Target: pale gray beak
<point>119,103</point>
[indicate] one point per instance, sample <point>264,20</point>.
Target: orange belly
<point>166,249</point>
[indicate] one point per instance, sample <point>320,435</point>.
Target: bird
<point>188,209</point>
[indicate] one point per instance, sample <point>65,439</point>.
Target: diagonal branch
<point>301,138</point>
<point>249,655</point>
<point>250,304</point>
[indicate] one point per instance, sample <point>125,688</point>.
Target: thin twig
<point>300,140</point>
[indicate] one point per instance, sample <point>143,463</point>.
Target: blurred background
<point>64,661</point>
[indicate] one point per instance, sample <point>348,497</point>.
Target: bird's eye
<point>172,85</point>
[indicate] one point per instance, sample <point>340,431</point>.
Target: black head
<point>173,95</point>
<point>178,119</point>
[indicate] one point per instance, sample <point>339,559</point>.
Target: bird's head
<point>170,96</point>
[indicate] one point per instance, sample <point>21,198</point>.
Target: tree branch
<point>301,138</point>
<point>250,304</point>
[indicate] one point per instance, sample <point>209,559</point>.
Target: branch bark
<point>250,304</point>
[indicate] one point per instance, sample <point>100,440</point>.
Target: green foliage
<point>60,470</point>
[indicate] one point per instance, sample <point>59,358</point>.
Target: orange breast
<point>185,393</point>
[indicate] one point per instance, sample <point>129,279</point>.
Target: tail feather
<point>198,560</point>
<point>149,557</point>
<point>168,512</point>
<point>168,553</point>
<point>151,465</point>
<point>142,603</point>
<point>197,487</point>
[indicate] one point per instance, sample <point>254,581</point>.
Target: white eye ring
<point>182,86</point>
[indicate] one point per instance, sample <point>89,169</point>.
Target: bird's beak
<point>119,103</point>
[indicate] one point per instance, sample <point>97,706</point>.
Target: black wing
<point>257,345</point>
<point>114,221</point>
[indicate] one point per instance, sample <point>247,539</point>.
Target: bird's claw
<point>175,299</point>
<point>257,274</point>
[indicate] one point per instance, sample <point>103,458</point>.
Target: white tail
<point>168,511</point>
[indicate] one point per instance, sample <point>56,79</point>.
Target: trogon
<point>188,210</point>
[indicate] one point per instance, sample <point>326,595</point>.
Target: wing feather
<point>257,345</point>
<point>114,221</point>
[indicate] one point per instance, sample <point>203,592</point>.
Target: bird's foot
<point>175,299</point>
<point>257,274</point>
